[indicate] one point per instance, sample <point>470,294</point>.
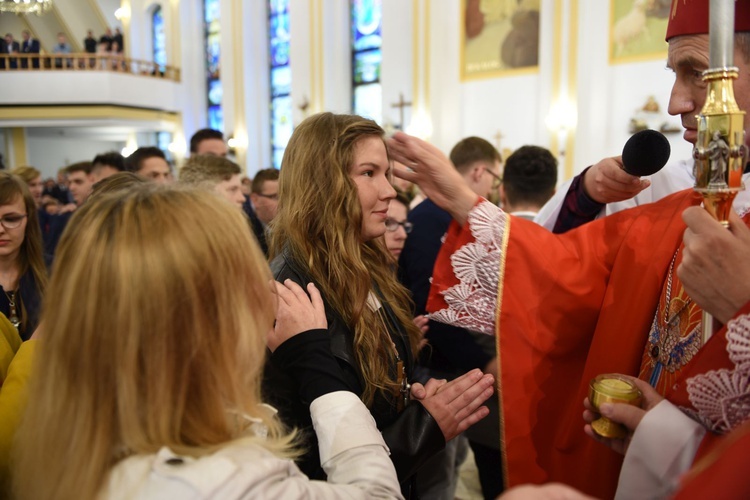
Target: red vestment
<point>723,473</point>
<point>566,308</point>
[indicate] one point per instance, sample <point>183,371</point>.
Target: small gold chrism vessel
<point>611,388</point>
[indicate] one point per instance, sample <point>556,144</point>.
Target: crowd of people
<point>109,49</point>
<point>348,326</point>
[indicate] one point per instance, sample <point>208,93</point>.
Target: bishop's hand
<point>628,415</point>
<point>715,269</point>
<point>433,172</point>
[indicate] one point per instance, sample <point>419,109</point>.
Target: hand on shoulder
<point>296,312</point>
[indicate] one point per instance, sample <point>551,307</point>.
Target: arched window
<point>281,78</point>
<point>211,17</point>
<point>159,39</point>
<point>367,58</point>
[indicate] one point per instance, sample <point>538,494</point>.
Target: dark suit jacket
<point>89,44</point>
<point>30,46</point>
<point>258,230</point>
<point>4,49</point>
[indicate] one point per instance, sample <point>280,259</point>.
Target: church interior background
<point>575,76</point>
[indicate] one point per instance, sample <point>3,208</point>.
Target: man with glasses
<point>454,351</point>
<point>263,203</point>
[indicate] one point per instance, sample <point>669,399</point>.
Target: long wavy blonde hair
<point>155,337</point>
<point>320,220</point>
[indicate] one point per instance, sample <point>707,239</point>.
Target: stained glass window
<point>281,78</point>
<point>367,58</point>
<point>212,17</point>
<point>159,39</point>
<point>163,141</point>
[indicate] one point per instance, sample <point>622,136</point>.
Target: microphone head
<point>645,153</point>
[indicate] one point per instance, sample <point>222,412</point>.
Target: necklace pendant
<point>15,321</point>
<point>654,352</point>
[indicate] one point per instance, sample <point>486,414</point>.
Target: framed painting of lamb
<point>637,29</point>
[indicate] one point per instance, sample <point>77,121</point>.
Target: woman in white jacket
<point>147,379</point>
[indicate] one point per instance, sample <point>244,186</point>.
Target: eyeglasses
<point>274,196</point>
<point>392,225</point>
<point>497,180</point>
<point>12,221</point>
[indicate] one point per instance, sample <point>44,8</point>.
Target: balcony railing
<point>87,62</point>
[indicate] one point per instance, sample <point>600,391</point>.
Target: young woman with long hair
<point>23,275</point>
<point>334,193</point>
<point>147,380</point>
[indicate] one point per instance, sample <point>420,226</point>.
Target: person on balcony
<point>107,39</point>
<point>9,46</point>
<point>29,46</point>
<point>119,40</point>
<point>62,47</point>
<point>89,45</point>
<point>116,57</point>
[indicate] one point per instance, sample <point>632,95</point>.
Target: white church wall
<point>14,25</point>
<point>397,75</point>
<point>320,57</point>
<point>256,87</point>
<point>78,21</point>
<point>49,154</point>
<point>139,30</point>
<point>336,46</point>
<point>605,96</point>
<point>191,92</point>
<point>107,8</point>
<point>302,50</point>
<point>230,50</point>
<point>610,95</point>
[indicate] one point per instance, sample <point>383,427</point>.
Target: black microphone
<point>645,153</point>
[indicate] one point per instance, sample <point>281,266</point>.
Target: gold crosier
<point>720,152</point>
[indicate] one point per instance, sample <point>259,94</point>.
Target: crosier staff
<point>720,152</point>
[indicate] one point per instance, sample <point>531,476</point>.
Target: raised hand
<point>433,172</point>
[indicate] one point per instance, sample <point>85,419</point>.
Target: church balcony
<point>88,79</point>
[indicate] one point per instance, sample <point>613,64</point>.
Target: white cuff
<point>662,449</point>
<point>343,422</point>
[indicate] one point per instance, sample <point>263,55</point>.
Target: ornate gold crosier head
<point>720,152</point>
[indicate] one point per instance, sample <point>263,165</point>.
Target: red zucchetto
<point>690,17</point>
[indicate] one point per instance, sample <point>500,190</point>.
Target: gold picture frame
<point>499,38</point>
<point>637,29</point>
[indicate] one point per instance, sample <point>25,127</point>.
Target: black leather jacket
<point>412,435</point>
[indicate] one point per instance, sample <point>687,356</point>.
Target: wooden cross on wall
<point>498,136</point>
<point>401,104</point>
